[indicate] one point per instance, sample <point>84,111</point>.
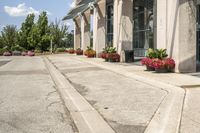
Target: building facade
<point>141,24</point>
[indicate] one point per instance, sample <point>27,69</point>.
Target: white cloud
<point>72,5</point>
<point>66,23</point>
<point>21,10</point>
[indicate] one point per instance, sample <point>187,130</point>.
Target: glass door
<point>143,26</point>
<point>109,24</point>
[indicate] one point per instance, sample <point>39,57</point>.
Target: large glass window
<point>143,26</point>
<point>109,21</point>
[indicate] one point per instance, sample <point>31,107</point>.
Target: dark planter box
<point>148,68</point>
<point>129,56</point>
<point>161,70</point>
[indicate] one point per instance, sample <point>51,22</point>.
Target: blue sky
<point>14,11</point>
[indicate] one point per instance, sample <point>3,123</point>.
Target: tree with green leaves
<point>58,32</point>
<point>33,38</point>
<point>44,32</point>
<point>9,36</point>
<point>25,31</point>
<point>70,39</point>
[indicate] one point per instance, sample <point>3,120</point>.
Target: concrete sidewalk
<point>190,119</point>
<point>128,98</point>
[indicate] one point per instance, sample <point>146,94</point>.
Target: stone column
<point>77,31</point>
<point>187,36</point>
<point>95,18</point>
<point>99,26</point>
<point>161,23</point>
<point>85,30</point>
<point>115,24</point>
<point>176,31</point>
<point>123,38</point>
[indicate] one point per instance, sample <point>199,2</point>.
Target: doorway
<point>143,26</point>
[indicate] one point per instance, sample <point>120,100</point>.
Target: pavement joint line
<point>88,121</point>
<point>185,90</point>
<point>190,86</point>
<point>168,116</point>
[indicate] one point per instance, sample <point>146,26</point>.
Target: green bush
<point>161,53</point>
<point>38,51</point>
<point>2,50</point>
<point>60,50</point>
<point>17,48</point>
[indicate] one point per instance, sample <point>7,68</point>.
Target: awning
<point>82,7</point>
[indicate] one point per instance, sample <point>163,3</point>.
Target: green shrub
<point>157,53</point>
<point>17,48</point>
<point>2,51</point>
<point>60,50</point>
<point>161,53</point>
<point>38,51</point>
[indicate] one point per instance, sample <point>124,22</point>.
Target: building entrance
<point>142,26</point>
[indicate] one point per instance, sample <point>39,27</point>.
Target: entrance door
<point>143,26</point>
<point>198,37</point>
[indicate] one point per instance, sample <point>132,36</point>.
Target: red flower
<point>147,62</point>
<point>168,63</point>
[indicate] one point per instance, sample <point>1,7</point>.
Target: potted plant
<point>7,53</point>
<point>71,51</point>
<point>113,57</point>
<point>163,65</point>
<point>148,62</point>
<point>79,51</point>
<point>90,53</point>
<point>110,54</point>
<point>31,53</point>
<point>24,53</point>
<point>154,56</point>
<point>170,64</point>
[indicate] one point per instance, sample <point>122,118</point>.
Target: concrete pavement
<point>121,97</point>
<point>127,103</point>
<point>29,102</point>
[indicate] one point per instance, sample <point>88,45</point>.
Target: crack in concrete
<point>49,94</point>
<point>62,117</point>
<point>196,122</point>
<point>52,103</point>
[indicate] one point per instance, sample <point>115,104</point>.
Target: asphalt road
<point>29,102</point>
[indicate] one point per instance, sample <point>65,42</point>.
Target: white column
<point>125,25</point>
<point>82,32</point>
<point>95,17</point>
<point>120,19</point>
<point>115,25</point>
<point>74,35</point>
<point>100,26</point>
<point>161,30</point>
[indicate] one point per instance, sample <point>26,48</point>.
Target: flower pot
<point>149,68</point>
<point>161,70</point>
<point>79,52</point>
<point>90,56</point>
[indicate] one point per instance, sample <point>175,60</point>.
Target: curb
<point>167,118</point>
<point>86,118</point>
